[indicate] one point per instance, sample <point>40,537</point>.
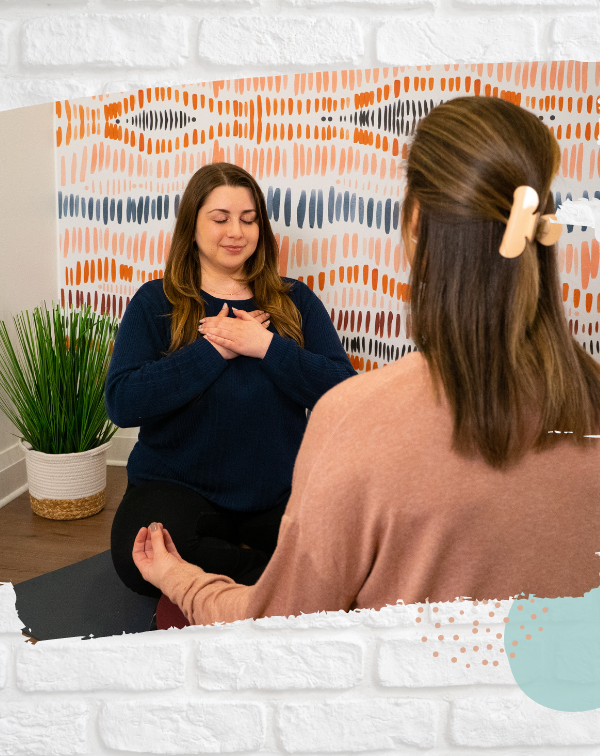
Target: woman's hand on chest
<point>245,334</point>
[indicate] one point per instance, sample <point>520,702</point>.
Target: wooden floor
<point>31,545</point>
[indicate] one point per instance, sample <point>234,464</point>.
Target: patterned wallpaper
<point>327,150</point>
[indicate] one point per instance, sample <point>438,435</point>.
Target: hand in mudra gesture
<point>244,335</point>
<point>209,324</point>
<point>154,553</point>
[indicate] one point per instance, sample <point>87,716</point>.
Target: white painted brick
<point>193,2</point>
<point>16,92</point>
<point>9,619</point>
<point>363,725</point>
<point>466,612</point>
<point>49,3</point>
<point>410,663</point>
<point>576,37</point>
<point>516,720</point>
<point>397,3</point>
<point>543,3</point>
<point>4,42</point>
<point>100,665</point>
<point>280,41</point>
<point>390,616</point>
<point>333,620</point>
<point>432,40</point>
<point>43,727</point>
<point>145,41</point>
<point>279,666</point>
<point>182,726</point>
<point>4,657</point>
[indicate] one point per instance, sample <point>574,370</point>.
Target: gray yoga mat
<point>84,599</point>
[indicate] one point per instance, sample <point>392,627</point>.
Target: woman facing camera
<point>464,469</point>
<point>217,363</point>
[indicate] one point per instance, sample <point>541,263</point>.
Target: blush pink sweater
<point>383,510</point>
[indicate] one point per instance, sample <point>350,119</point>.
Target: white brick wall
<point>363,682</point>
<point>256,41</point>
<point>107,41</point>
<point>67,48</point>
<point>342,683</point>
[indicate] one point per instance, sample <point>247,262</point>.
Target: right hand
<point>154,553</point>
<point>228,354</point>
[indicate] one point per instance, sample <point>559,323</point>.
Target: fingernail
<point>153,526</point>
<point>201,321</point>
<point>224,305</point>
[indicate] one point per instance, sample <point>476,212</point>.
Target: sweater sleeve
<point>324,552</point>
<point>305,374</point>
<point>144,383</point>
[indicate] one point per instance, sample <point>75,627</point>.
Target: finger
<point>148,542</point>
<point>141,558</point>
<point>141,535</point>
<point>158,543</point>
<point>256,313</point>
<point>213,318</point>
<point>140,540</point>
<point>241,314</point>
<point>214,330</point>
<point>267,323</point>
<point>224,311</point>
<point>227,343</point>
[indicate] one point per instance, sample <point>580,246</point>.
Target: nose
<point>235,228</point>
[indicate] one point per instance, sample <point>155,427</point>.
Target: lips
<point>233,249</point>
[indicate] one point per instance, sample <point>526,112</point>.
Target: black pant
<point>204,533</point>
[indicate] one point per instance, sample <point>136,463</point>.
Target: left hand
<point>154,553</point>
<point>243,335</point>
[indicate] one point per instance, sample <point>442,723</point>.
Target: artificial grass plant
<point>52,388</point>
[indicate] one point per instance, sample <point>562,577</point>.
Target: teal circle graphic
<point>553,647</point>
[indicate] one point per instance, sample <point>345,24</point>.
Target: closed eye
<point>224,220</point>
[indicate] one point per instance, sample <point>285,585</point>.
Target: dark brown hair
<point>492,329</point>
<point>182,280</point>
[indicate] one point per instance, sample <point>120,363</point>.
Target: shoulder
<point>151,296</point>
<point>301,294</point>
<point>369,414</point>
<point>298,289</point>
<point>392,389</point>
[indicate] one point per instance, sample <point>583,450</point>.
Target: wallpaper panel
<point>327,150</point>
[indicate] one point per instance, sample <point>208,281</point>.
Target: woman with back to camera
<point>217,363</point>
<point>464,468</point>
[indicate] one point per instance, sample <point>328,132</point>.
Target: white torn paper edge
<point>581,212</point>
<point>9,618</point>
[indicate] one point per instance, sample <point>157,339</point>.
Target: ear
<point>414,221</point>
<point>410,243</point>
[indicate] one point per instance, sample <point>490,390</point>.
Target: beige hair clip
<point>524,223</point>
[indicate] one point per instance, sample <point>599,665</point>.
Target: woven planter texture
<point>67,486</point>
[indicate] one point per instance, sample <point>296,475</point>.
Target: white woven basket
<point>66,486</point>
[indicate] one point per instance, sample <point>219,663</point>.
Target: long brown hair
<point>493,330</point>
<point>182,280</point>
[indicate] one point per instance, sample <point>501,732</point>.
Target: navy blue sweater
<point>229,429</point>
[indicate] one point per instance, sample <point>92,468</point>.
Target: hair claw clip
<point>524,224</point>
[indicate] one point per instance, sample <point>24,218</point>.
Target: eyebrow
<point>219,210</point>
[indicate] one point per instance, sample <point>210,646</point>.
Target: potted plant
<point>52,390</point>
